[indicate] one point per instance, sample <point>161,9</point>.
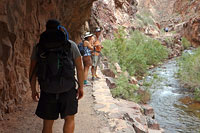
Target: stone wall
<point>21,22</point>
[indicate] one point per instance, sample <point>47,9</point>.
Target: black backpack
<point>55,65</point>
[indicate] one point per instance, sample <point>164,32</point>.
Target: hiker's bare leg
<point>47,126</point>
<point>69,124</point>
<point>86,69</point>
<point>93,71</point>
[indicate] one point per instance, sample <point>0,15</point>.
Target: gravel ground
<point>24,120</point>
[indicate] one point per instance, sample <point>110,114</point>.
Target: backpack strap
<point>65,31</point>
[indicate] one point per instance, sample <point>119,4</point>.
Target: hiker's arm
<point>35,94</point>
<point>89,45</point>
<point>80,75</point>
<point>97,43</point>
<point>33,80</point>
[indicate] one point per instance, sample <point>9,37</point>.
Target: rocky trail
<point>98,112</point>
<point>24,120</point>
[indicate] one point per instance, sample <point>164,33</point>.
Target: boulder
<point>108,72</point>
<point>148,110</point>
<point>139,128</point>
<point>151,31</point>
<point>118,68</point>
<point>155,131</point>
<point>110,82</point>
<point>152,124</point>
<point>145,95</point>
<point>133,80</point>
<point>104,65</point>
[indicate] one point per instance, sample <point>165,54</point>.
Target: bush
<point>135,54</point>
<point>145,18</point>
<point>125,90</point>
<point>189,71</point>
<point>110,51</point>
<point>197,94</point>
<point>186,44</point>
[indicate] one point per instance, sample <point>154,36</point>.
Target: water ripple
<point>173,116</point>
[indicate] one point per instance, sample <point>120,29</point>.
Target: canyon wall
<point>112,14</point>
<point>190,14</point>
<point>21,22</point>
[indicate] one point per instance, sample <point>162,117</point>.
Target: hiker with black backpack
<point>53,63</point>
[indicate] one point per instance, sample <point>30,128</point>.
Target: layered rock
<point>192,31</point>
<point>190,15</point>
<point>21,22</point>
<point>110,14</point>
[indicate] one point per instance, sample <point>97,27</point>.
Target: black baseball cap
<point>52,24</point>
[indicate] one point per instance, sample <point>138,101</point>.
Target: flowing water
<point>173,115</point>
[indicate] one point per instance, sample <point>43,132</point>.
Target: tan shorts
<point>87,61</point>
<point>95,60</point>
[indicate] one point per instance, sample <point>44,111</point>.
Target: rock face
<point>190,14</point>
<point>110,14</point>
<point>192,31</point>
<point>21,22</point>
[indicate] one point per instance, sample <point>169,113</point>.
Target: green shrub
<point>125,90</point>
<point>110,51</point>
<point>197,94</point>
<point>169,41</point>
<point>145,17</point>
<point>135,55</point>
<point>189,71</point>
<point>186,44</point>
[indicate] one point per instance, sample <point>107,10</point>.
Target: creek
<point>174,109</point>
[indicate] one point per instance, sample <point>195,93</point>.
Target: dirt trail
<point>24,120</point>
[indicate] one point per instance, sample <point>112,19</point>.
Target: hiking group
<point>90,49</point>
<point>54,62</point>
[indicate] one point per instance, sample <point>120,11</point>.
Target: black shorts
<point>51,105</point>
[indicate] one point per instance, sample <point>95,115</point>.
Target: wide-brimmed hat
<point>88,34</point>
<point>98,29</point>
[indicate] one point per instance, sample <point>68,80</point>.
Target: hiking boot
<point>93,78</point>
<point>85,82</point>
